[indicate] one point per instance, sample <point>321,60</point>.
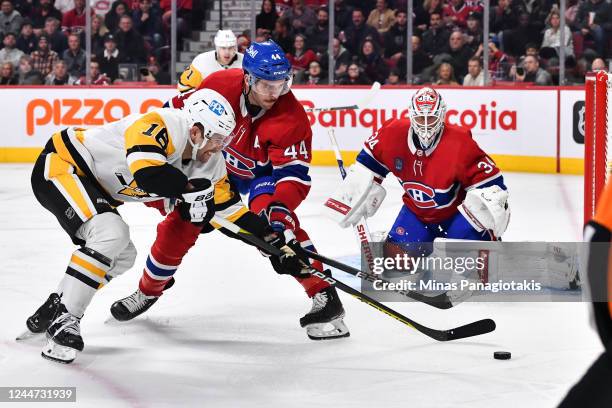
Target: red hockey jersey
<point>275,143</point>
<point>434,180</point>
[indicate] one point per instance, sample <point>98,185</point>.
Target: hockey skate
<point>134,305</point>
<point>41,319</point>
<point>324,321</point>
<point>63,337</point>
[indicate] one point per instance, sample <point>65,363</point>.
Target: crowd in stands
<point>43,41</point>
<point>370,40</point>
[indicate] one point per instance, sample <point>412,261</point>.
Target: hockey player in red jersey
<point>452,189</point>
<point>268,160</point>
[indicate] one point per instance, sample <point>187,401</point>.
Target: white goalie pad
<point>487,209</point>
<point>359,195</point>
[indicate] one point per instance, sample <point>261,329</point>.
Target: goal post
<point>596,138</point>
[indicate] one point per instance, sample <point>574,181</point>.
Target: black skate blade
<point>55,360</point>
<point>347,334</point>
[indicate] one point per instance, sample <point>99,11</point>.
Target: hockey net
<point>597,137</point>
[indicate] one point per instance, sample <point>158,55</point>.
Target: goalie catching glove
<point>292,262</point>
<point>360,195</point>
<point>198,205</point>
<point>487,209</point>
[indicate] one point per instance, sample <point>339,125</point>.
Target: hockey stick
<point>469,330</point>
<point>368,98</point>
<point>441,301</point>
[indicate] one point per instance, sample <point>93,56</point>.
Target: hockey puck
<point>502,355</point>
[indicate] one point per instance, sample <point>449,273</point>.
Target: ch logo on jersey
<point>216,108</point>
<point>238,164</point>
<point>422,195</point>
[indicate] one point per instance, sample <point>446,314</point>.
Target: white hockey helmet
<point>427,113</point>
<point>225,38</point>
<point>214,113</point>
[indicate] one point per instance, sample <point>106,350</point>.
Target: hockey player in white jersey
<point>224,56</point>
<point>81,176</point>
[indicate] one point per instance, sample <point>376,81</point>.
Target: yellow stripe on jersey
<point>223,191</point>
<point>190,78</point>
<point>73,190</point>
<point>87,265</point>
<point>147,142</point>
<point>63,152</point>
<point>234,208</point>
<point>56,166</point>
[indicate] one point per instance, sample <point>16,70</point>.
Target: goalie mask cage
<point>597,136</point>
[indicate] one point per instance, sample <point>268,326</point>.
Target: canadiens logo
<point>421,194</point>
<point>238,164</point>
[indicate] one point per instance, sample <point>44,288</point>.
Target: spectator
<point>593,19</point>
<point>393,78</point>
<point>371,62</point>
<point>422,64</point>
<point>314,75</point>
<point>64,6</point>
<point>156,75</point>
<point>446,76</point>
<point>475,75</point>
<point>118,10</point>
<point>342,14</point>
<point>300,16</point>
<point>57,39</point>
<point>148,23</point>
<point>283,35</point>
<point>503,16</point>
<point>242,43</point>
<point>354,76</point>
<point>318,34</point>
<point>456,13</point>
<point>74,56</point>
<point>266,19</point>
<point>74,20</point>
<point>109,57</point>
<point>356,33</point>
<point>460,53</point>
<point>10,19</point>
<point>395,37</point>
<point>423,14</point>
<point>98,30</point>
<point>7,74</point>
<point>301,57</point>
<point>473,32</point>
<point>27,41</point>
<point>532,72</point>
<point>44,58</point>
<point>130,44</point>
<point>523,34</point>
<point>97,78</point>
<point>27,75</point>
<point>60,75</point>
<point>9,53</point>
<point>342,58</point>
<point>435,40</point>
<point>598,64</point>
<point>44,10</point>
<point>571,13</point>
<point>382,17</point>
<point>498,61</point>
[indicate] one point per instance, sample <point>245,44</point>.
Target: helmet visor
<point>269,88</point>
<point>217,139</point>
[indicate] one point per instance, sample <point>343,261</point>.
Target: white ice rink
<point>227,334</point>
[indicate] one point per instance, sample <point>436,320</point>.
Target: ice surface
<point>227,334</point>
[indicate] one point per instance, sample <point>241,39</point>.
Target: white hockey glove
<point>360,195</point>
<point>198,206</point>
<point>487,209</point>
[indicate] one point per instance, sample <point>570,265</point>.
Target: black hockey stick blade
<point>469,330</point>
<point>441,301</point>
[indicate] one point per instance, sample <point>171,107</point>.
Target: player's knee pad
<point>260,186</point>
<point>124,261</point>
<point>106,234</point>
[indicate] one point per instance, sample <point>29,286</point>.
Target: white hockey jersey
<point>202,66</point>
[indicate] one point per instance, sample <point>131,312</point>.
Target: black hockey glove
<point>198,205</point>
<point>290,263</point>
